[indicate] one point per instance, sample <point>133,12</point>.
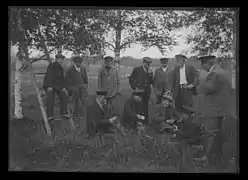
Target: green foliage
<point>214,29</point>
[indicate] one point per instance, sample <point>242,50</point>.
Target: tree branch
<point>110,45</point>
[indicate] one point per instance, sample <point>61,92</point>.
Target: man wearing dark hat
<point>100,117</point>
<point>215,104</point>
<point>134,113</point>
<point>184,81</point>
<point>76,82</point>
<point>54,83</point>
<point>142,78</point>
<point>162,79</point>
<point>108,77</point>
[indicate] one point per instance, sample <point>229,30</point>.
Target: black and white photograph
<point>123,89</point>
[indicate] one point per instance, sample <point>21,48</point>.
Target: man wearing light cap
<point>216,103</point>
<point>108,77</point>
<point>162,79</point>
<point>142,78</point>
<point>76,82</point>
<point>184,81</point>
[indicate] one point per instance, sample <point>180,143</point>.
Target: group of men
<point>173,88</point>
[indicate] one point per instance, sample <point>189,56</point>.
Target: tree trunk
<point>17,88</point>
<point>23,47</point>
<point>118,38</point>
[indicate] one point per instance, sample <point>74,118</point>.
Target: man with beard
<point>108,77</point>
<point>76,82</point>
<point>100,117</point>
<point>133,114</point>
<point>162,79</point>
<point>142,78</point>
<point>215,105</point>
<point>54,83</point>
<point>184,81</point>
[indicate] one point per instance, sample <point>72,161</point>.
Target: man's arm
<point>209,85</point>
<point>154,78</point>
<point>99,80</point>
<point>195,74</point>
<point>85,76</point>
<point>132,78</point>
<point>48,77</point>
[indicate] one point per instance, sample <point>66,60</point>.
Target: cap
<point>59,55</point>
<point>164,59</point>
<point>108,59</point>
<point>77,59</point>
<point>147,59</point>
<point>206,59</point>
<point>101,92</point>
<point>138,92</point>
<point>180,56</point>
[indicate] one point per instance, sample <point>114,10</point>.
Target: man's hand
<point>64,90</point>
<point>140,117</point>
<point>111,120</point>
<point>190,86</point>
<point>49,89</point>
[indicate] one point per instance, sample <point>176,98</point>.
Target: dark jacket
<point>129,116</point>
<point>74,77</point>
<point>98,119</point>
<point>141,79</point>
<point>191,76</point>
<point>54,76</point>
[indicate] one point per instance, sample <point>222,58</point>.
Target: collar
<point>211,69</point>
<point>164,68</point>
<point>144,68</point>
<point>77,68</point>
<point>182,67</point>
<point>99,103</point>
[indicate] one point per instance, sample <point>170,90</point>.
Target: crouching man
<point>54,83</point>
<point>76,81</point>
<point>134,114</point>
<point>163,116</point>
<point>100,117</point>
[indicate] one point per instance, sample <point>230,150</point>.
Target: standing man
<point>162,79</point>
<point>76,82</point>
<point>184,81</point>
<point>142,78</point>
<point>108,77</point>
<point>215,105</point>
<point>54,83</point>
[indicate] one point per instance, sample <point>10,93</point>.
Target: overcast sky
<point>135,51</point>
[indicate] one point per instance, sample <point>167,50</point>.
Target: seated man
<point>54,83</point>
<point>76,82</point>
<point>164,116</point>
<point>100,117</point>
<point>134,115</point>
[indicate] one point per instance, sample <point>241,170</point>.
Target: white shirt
<point>164,68</point>
<point>98,102</point>
<point>77,68</point>
<point>182,75</point>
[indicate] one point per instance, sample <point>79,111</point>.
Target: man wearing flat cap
<point>184,81</point>
<point>134,113</point>
<point>215,105</point>
<point>54,83</point>
<point>162,79</point>
<point>76,82</point>
<point>108,77</point>
<point>100,117</point>
<point>142,78</point>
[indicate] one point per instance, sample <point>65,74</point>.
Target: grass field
<point>28,153</point>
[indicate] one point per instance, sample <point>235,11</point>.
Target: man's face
<point>108,63</point>
<point>181,61</point>
<point>146,65</point>
<point>102,99</point>
<point>164,64</point>
<point>137,98</point>
<point>59,60</point>
<point>206,66</point>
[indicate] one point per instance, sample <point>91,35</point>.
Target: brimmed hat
<point>59,56</point>
<point>108,59</point>
<point>206,59</point>
<point>147,60</point>
<point>77,59</point>
<point>101,92</point>
<point>164,59</point>
<point>138,92</point>
<point>180,56</point>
